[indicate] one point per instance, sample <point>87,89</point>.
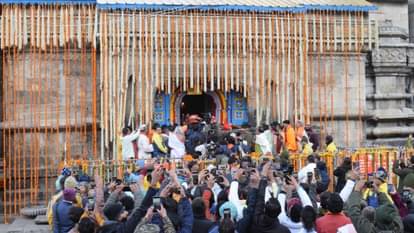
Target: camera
<point>211,146</point>
<point>118,182</point>
<point>406,196</point>
<point>369,184</point>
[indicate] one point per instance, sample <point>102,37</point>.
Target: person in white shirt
<point>127,147</point>
<point>287,217</point>
<point>263,142</point>
<point>176,142</point>
<point>144,146</point>
<point>310,167</point>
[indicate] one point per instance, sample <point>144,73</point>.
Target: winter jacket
<point>340,172</point>
<point>402,208</point>
<point>56,198</point>
<point>331,222</point>
<point>61,219</point>
<point>261,222</point>
<point>167,226</point>
<point>402,173</point>
<point>185,213</point>
<point>408,222</point>
<point>387,217</point>
<point>244,224</point>
<point>323,173</point>
<point>202,225</point>
<point>131,223</point>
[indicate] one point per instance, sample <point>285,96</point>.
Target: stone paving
<point>24,225</point>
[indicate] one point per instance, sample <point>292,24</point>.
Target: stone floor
<point>24,225</point>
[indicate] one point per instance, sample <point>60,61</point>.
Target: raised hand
<point>156,176</point>
<point>149,214</point>
<point>162,212</point>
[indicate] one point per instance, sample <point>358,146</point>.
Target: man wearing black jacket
<point>402,171</point>
<point>115,224</point>
<point>265,219</point>
<point>201,224</point>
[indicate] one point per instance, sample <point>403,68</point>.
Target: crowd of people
<point>172,193</point>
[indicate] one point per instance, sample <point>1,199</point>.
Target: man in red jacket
<point>334,219</point>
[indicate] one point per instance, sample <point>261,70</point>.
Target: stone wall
<point>390,90</point>
<point>37,123</point>
<point>411,19</point>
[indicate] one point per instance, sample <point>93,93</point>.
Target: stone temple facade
<point>389,114</point>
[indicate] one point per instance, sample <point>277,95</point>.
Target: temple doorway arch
<point>208,102</point>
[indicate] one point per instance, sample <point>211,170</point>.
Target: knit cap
<point>384,215</point>
<point>409,180</point>
<point>69,194</point>
<point>70,182</point>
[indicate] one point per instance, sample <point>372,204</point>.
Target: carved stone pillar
<point>390,96</point>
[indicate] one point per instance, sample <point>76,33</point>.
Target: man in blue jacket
<point>62,222</point>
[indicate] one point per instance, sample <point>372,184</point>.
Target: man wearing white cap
<point>144,146</point>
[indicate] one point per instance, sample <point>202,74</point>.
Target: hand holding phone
<point>226,213</point>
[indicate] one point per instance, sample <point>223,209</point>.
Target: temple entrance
<point>188,103</point>
<point>201,105</point>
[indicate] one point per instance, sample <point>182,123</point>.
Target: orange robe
<point>290,139</point>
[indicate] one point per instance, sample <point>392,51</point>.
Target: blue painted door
<point>237,108</point>
<point>162,109</point>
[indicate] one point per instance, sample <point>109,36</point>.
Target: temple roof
<point>242,5</point>
<point>220,5</point>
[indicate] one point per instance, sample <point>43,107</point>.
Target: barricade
<point>366,160</point>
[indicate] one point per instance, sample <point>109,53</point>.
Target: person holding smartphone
<point>116,216</point>
<point>148,225</point>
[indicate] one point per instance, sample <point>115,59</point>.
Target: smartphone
<point>356,166</point>
<point>391,188</point>
<point>226,213</point>
<point>156,203</point>
<point>195,179</point>
<point>287,179</point>
<point>126,189</point>
<point>91,203</point>
<point>118,181</point>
